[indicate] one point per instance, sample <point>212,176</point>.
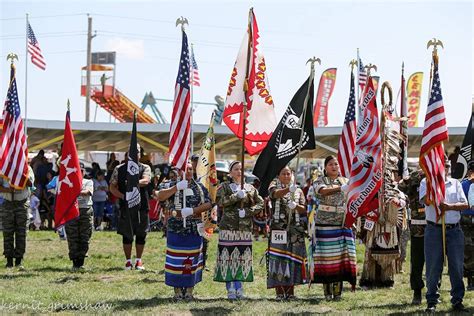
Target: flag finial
<point>68,105</point>
<point>353,63</point>
<point>435,43</point>
<point>12,57</point>
<point>182,20</point>
<point>369,67</point>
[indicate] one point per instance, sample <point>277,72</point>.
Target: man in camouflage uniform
<point>467,225</point>
<point>79,230</point>
<point>411,188</point>
<point>14,213</point>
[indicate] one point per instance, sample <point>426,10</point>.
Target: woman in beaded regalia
<point>234,249</point>
<point>184,258</point>
<point>286,252</point>
<point>334,249</point>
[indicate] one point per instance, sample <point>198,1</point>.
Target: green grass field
<point>48,285</point>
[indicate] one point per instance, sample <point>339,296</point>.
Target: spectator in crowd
<point>99,198</point>
<point>37,160</point>
<point>95,169</point>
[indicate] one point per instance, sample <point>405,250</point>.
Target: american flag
<point>194,66</point>
<point>347,139</point>
<point>366,172</point>
<point>180,138</point>
<point>435,133</point>
<point>33,48</point>
<point>13,150</point>
<point>362,75</point>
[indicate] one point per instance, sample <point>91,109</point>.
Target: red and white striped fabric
<point>35,51</point>
<point>362,75</point>
<point>347,140</point>
<point>194,67</point>
<point>13,148</point>
<point>366,170</point>
<point>435,133</point>
<point>180,130</point>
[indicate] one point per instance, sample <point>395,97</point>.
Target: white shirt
<point>453,194</point>
<point>471,195</point>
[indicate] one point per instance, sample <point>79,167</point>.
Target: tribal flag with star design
<point>260,119</point>
<point>70,179</point>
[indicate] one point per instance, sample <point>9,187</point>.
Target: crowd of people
<point>289,217</point>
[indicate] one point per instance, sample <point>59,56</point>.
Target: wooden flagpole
<point>246,89</point>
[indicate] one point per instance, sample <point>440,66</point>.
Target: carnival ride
<point>112,100</point>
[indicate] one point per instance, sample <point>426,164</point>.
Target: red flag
<point>435,133</point>
<point>366,171</point>
<point>260,118</point>
<point>70,179</point>
<point>326,86</point>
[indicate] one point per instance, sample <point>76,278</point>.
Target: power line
<point>42,16</point>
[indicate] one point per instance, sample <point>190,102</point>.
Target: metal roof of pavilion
<point>101,136</point>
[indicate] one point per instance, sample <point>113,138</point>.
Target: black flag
<point>465,156</point>
<point>132,196</point>
<point>283,146</point>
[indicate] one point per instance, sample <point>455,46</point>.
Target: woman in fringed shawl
<point>286,252</point>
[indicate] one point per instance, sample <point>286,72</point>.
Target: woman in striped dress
<point>334,249</point>
<point>286,251</point>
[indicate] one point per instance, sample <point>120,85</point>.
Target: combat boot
<point>9,263</point>
<point>18,263</point>
<point>416,297</point>
<point>470,283</point>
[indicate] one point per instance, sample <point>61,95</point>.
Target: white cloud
<point>131,49</point>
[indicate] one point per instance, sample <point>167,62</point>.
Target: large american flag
<point>435,133</point>
<point>194,66</point>
<point>347,139</point>
<point>13,150</point>
<point>362,75</point>
<point>366,169</point>
<point>180,138</point>
<point>33,48</point>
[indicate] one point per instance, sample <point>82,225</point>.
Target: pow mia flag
<point>132,195</point>
<point>283,145</point>
<point>465,156</point>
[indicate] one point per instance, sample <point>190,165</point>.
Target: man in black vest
<point>135,224</point>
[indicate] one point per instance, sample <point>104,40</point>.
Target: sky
<point>148,44</point>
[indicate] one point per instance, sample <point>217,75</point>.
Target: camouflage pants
<point>404,238</point>
<point>468,230</point>
<point>14,219</point>
<point>79,232</point>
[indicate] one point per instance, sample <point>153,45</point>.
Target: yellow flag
<point>413,97</point>
<point>206,167</point>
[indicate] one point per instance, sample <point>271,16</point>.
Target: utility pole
<point>88,68</point>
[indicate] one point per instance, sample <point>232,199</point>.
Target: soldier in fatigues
<point>79,230</point>
<point>411,188</point>
<point>467,225</point>
<point>14,212</point>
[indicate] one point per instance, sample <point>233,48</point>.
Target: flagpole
<point>246,89</point>
<point>191,90</point>
<point>358,85</point>
<point>26,78</point>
